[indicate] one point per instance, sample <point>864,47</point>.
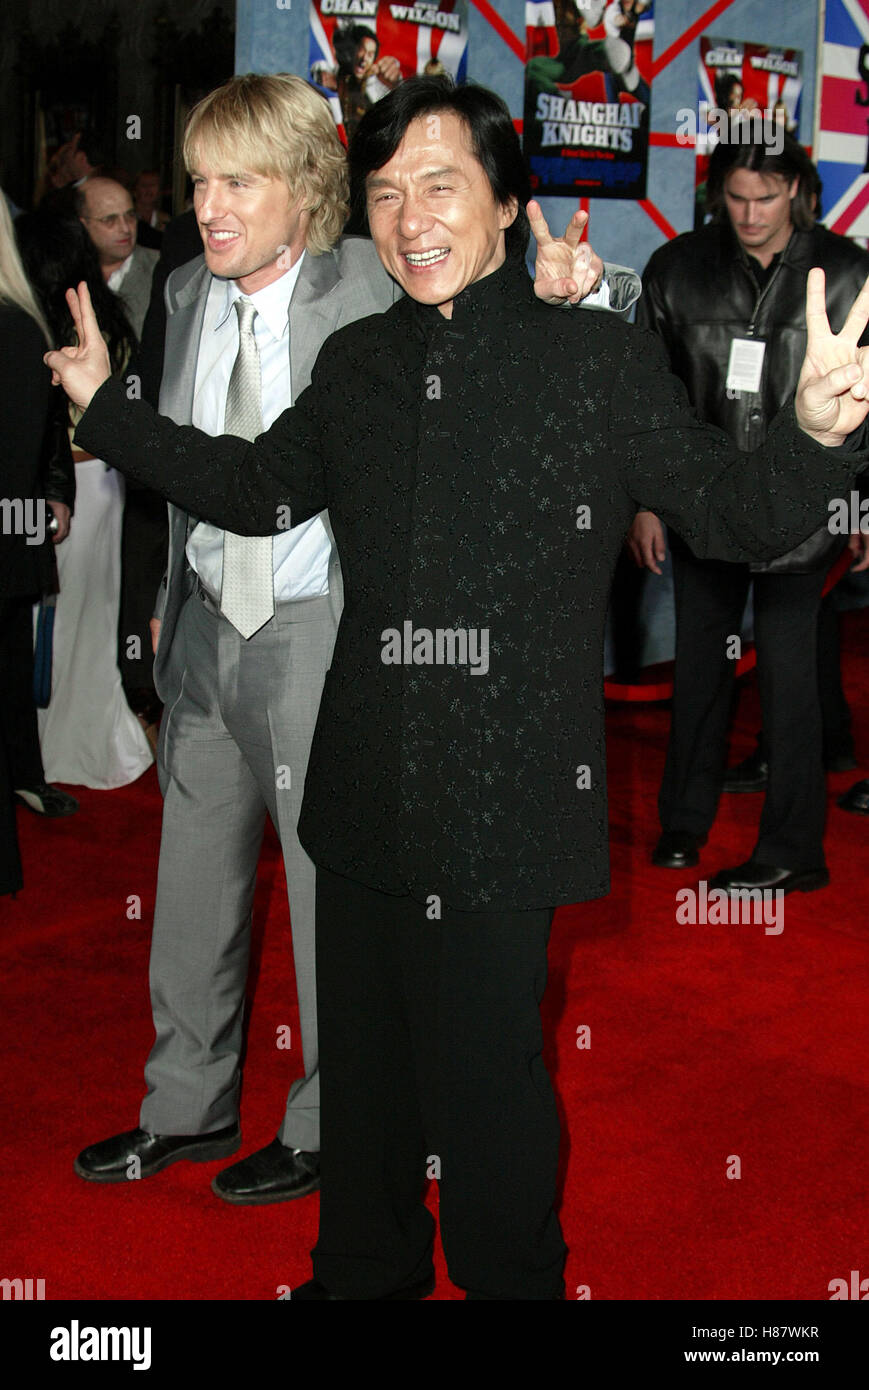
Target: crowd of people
<point>430,822</point>
<point>87,714</point>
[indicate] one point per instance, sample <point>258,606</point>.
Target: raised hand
<point>833,390</point>
<point>81,370</point>
<point>566,267</point>
<point>388,70</point>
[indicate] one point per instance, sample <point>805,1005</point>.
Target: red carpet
<point>707,1042</point>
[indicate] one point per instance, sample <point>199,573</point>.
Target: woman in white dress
<point>89,735</point>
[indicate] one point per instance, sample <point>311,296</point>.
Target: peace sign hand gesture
<point>833,390</point>
<point>566,267</point>
<point>81,370</point>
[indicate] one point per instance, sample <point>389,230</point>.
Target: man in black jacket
<point>456,790</point>
<point>728,304</point>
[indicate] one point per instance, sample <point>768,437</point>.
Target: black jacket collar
<point>506,289</point>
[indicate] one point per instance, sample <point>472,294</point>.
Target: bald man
<point>106,209</point>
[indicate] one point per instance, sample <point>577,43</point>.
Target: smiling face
<point>760,211</point>
<point>252,228</point>
<point>432,213</point>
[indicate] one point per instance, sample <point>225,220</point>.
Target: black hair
<point>494,142</point>
<point>346,41</point>
<point>724,85</point>
<point>58,253</point>
<point>362,31</point>
<point>744,150</point>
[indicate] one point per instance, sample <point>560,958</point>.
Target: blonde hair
<point>15,288</point>
<point>278,126</point>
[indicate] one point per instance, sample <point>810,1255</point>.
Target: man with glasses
<point>106,209</point>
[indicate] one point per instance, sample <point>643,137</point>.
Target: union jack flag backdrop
<point>842,142</point>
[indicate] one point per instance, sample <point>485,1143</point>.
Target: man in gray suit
<point>246,638</point>
<point>241,694</point>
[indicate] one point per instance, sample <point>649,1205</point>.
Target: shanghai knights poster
<point>587,92</point>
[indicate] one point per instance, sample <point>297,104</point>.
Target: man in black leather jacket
<point>728,303</point>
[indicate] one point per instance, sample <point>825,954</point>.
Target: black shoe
<point>47,801</point>
<point>754,875</point>
<point>272,1174</point>
<point>856,798</point>
<point>110,1161</point>
<point>678,849</point>
<point>751,775</point>
<point>314,1289</point>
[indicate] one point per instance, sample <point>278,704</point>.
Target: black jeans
<point>431,1066</point>
<point>710,598</point>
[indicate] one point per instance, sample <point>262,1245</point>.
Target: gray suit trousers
<point>238,732</point>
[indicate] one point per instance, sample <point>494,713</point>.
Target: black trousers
<point>18,724</point>
<point>835,711</point>
<point>431,1067</point>
<point>710,598</point>
<point>20,758</point>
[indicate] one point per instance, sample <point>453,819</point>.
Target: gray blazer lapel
<point>186,310</point>
<point>314,312</point>
<point>315,308</point>
<point>183,328</point>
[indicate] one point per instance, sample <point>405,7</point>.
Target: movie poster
<point>587,90</point>
<point>748,86</point>
<point>362,49</point>
<point>842,141</point>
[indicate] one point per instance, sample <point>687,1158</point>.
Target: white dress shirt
<point>300,555</point>
<point>117,277</point>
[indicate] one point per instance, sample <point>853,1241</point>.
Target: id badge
<point>745,367</point>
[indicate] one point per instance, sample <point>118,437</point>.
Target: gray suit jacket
<point>345,284</point>
<point>136,288</point>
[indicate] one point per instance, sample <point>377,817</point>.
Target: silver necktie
<point>247,595</point>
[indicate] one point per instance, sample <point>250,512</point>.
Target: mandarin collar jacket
<point>480,473</point>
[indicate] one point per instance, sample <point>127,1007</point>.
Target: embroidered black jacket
<point>480,474</point>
